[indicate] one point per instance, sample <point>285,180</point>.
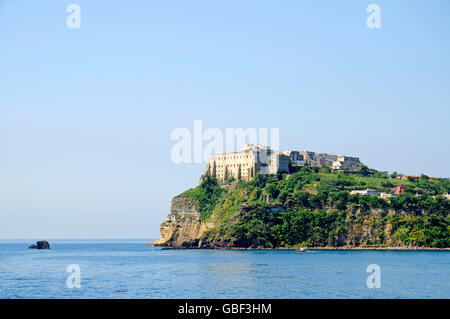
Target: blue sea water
<point>129,269</point>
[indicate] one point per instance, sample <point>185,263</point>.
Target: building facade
<point>365,192</point>
<point>346,162</point>
<point>254,159</point>
<point>246,164</point>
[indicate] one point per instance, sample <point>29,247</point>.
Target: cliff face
<point>250,228</point>
<point>361,228</point>
<point>182,227</point>
<point>307,208</point>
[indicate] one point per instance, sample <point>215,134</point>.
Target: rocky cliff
<point>361,228</point>
<point>308,208</point>
<point>182,227</point>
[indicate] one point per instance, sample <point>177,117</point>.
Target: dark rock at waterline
<point>41,244</point>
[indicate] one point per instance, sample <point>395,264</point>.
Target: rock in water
<point>41,244</point>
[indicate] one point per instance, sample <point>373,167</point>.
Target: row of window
<point>234,165</point>
<point>221,171</point>
<point>220,158</point>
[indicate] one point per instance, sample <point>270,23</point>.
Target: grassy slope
<point>318,211</point>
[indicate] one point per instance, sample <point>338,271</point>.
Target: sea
<point>130,269</point>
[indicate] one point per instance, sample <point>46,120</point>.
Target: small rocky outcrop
<point>182,227</point>
<point>41,244</point>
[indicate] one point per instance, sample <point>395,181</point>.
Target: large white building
<point>255,159</point>
<point>246,164</point>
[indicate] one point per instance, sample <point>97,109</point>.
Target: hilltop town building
<point>329,160</point>
<point>295,157</point>
<point>318,159</point>
<point>346,162</point>
<point>246,164</point>
<point>254,159</point>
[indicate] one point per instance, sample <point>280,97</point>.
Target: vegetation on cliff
<point>206,196</point>
<point>314,207</point>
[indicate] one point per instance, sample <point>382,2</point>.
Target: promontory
<point>259,198</point>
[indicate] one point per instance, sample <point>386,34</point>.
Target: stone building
<point>365,192</point>
<point>329,160</point>
<point>318,159</point>
<point>346,162</point>
<point>246,164</point>
<point>295,157</point>
<point>254,159</point>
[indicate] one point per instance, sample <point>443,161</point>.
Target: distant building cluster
<point>254,159</point>
<point>372,192</point>
<point>395,192</point>
<point>334,162</point>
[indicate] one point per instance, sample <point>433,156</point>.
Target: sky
<point>86,115</point>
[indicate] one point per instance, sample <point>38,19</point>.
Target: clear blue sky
<point>86,115</point>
